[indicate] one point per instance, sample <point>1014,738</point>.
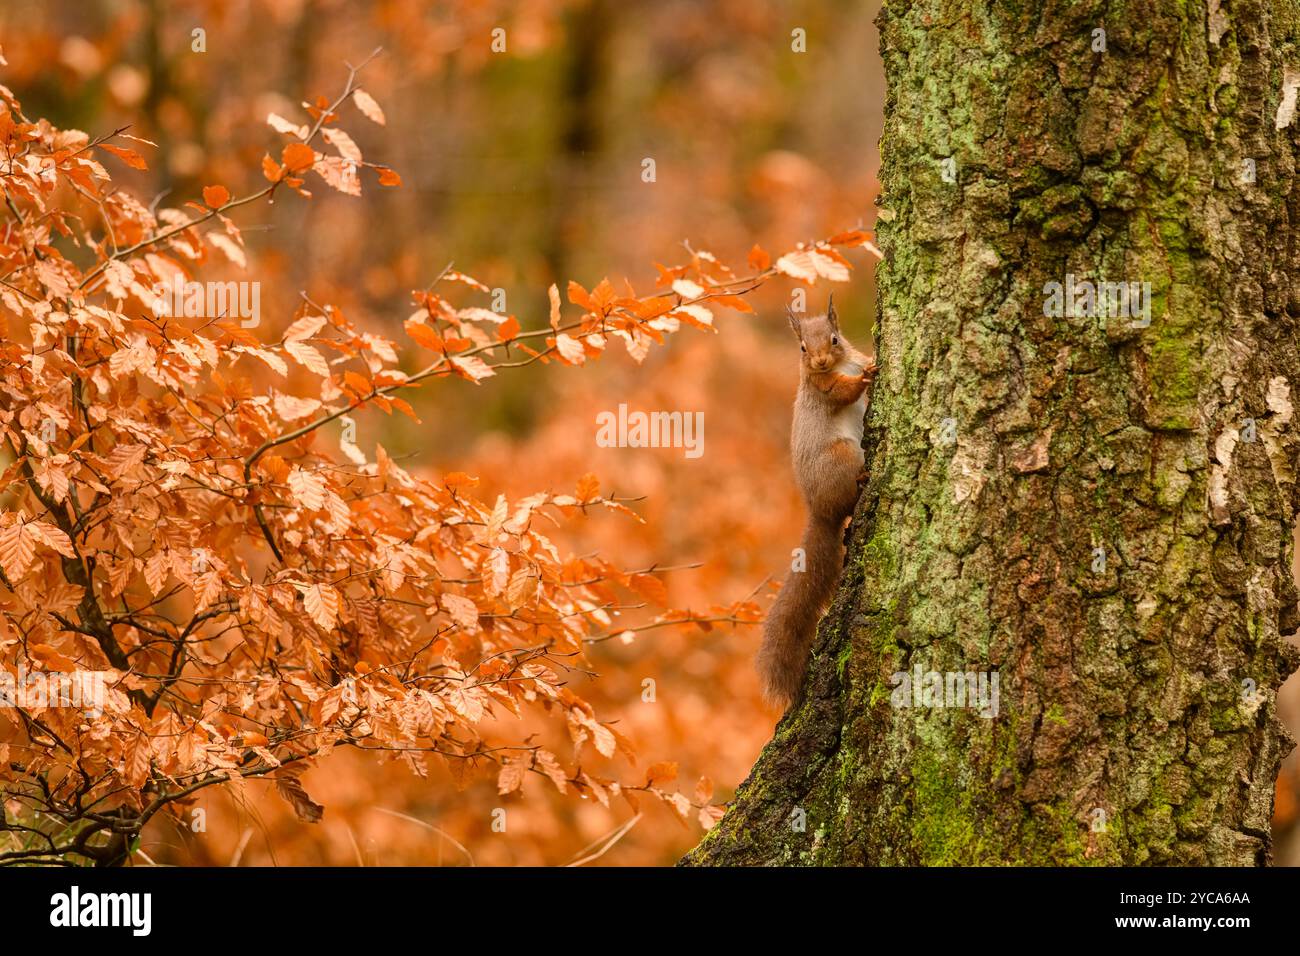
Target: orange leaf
<point>321,602</point>
<point>650,588</point>
<point>579,296</point>
<point>51,659</point>
<point>308,489</point>
<point>603,295</point>
<point>216,196</point>
<point>510,778</point>
<point>424,335</point>
<point>682,804</point>
<point>128,156</point>
<point>457,480</point>
<point>508,329</point>
<point>17,550</point>
<point>662,772</point>
<point>357,383</point>
<point>570,349</point>
<point>709,816</point>
<point>366,103</point>
<point>403,406</point>
<point>554,293</point>
<point>733,302</point>
<point>470,367</point>
<point>546,762</point>
<point>654,307</point>
<point>463,611</point>
<point>297,157</point>
<point>854,237</point>
<point>287,783</point>
<point>588,487</point>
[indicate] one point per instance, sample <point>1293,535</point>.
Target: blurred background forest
<point>524,167</point>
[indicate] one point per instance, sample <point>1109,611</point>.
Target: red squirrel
<point>826,449</point>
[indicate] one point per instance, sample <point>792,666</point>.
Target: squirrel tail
<point>791,624</point>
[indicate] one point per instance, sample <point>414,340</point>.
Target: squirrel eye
<point>835,340</point>
<point>802,347</point>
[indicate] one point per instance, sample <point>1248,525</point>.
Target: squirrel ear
<point>830,312</point>
<point>794,321</point>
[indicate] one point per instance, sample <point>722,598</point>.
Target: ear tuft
<point>830,312</point>
<point>794,321</point>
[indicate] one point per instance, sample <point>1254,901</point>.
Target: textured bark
<point>1124,693</point>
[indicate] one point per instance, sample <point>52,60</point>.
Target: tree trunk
<point>1096,510</point>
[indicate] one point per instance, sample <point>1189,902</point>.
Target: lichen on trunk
<point>1093,505</point>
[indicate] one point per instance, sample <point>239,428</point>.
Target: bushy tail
<point>792,622</point>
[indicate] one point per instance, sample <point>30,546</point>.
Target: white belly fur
<point>848,420</point>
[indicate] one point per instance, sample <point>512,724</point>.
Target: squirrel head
<point>819,338</point>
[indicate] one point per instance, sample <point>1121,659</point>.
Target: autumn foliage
<point>191,523</point>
